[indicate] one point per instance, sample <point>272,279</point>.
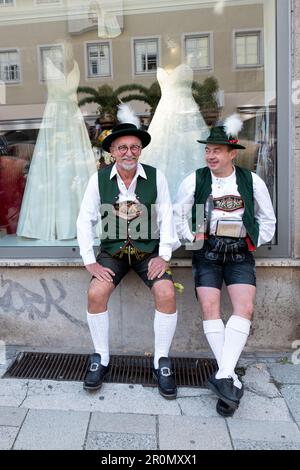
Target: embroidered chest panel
<point>228,203</point>
<point>127,210</point>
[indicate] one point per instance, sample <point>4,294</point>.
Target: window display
<point>181,65</point>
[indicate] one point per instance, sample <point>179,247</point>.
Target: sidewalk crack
<point>26,394</point>
<point>261,394</point>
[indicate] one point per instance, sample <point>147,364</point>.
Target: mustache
<point>127,158</point>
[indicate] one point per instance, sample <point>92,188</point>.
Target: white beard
<point>128,166</point>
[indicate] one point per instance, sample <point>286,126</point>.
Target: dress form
<point>62,162</point>
<point>176,126</point>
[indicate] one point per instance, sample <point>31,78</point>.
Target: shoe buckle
<point>94,366</point>
<point>165,371</point>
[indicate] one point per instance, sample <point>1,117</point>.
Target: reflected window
<point>99,59</point>
<point>198,51</point>
<point>9,65</point>
<point>145,55</point>
<point>54,53</point>
<point>248,49</point>
<point>6,2</point>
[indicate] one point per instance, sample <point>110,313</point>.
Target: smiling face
<point>219,159</point>
<point>126,151</point>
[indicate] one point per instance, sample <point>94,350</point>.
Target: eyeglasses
<point>123,149</point>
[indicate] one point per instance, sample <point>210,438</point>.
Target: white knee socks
<point>236,335</point>
<point>99,329</point>
<point>164,329</point>
<point>214,331</point>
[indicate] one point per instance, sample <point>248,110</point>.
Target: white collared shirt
<point>263,209</point>
<point>89,213</point>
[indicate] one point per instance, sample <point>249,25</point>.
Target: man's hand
<point>100,272</point>
<point>156,268</point>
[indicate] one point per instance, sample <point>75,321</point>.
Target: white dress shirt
<point>263,209</point>
<point>89,213</point>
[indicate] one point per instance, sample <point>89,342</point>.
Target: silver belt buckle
<point>229,228</point>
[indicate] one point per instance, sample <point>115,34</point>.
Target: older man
<point>238,218</point>
<point>136,210</point>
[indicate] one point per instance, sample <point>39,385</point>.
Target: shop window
<point>173,64</point>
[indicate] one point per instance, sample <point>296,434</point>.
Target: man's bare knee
<point>245,310</point>
<point>209,299</point>
<point>98,296</point>
<point>209,305</point>
<point>210,310</point>
<point>165,293</point>
<point>165,297</point>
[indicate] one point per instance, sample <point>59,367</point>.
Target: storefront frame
<point>283,247</point>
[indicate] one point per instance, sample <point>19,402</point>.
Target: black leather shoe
<point>165,379</point>
<point>226,390</point>
<point>95,373</point>
<point>224,410</point>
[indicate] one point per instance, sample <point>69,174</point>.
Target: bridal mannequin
<point>175,128</point>
<point>62,162</point>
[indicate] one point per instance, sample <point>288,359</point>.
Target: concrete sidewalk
<point>45,414</point>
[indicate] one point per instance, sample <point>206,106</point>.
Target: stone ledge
<point>175,263</point>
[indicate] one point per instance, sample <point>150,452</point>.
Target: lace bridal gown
<point>175,128</point>
<point>62,163</point>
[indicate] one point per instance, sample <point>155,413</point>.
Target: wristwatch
<point>166,258</point>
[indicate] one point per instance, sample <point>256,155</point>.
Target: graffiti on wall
<point>17,299</point>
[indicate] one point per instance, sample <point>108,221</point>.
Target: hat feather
<point>126,114</point>
<point>233,125</point>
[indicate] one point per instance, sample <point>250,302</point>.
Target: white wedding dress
<point>61,166</point>
<point>176,126</point>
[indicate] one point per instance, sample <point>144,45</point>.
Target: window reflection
<point>181,67</point>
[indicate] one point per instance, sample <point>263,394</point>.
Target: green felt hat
<point>226,133</point>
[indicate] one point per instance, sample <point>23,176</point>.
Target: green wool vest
<point>117,232</point>
<point>245,188</point>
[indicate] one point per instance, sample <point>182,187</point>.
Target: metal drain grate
<point>189,372</point>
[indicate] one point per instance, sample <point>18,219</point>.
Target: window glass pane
<point>101,66</point>
<point>9,66</point>
<point>145,55</point>
<point>248,49</point>
<point>252,41</point>
<point>197,52</point>
<point>181,65</point>
<point>52,62</point>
